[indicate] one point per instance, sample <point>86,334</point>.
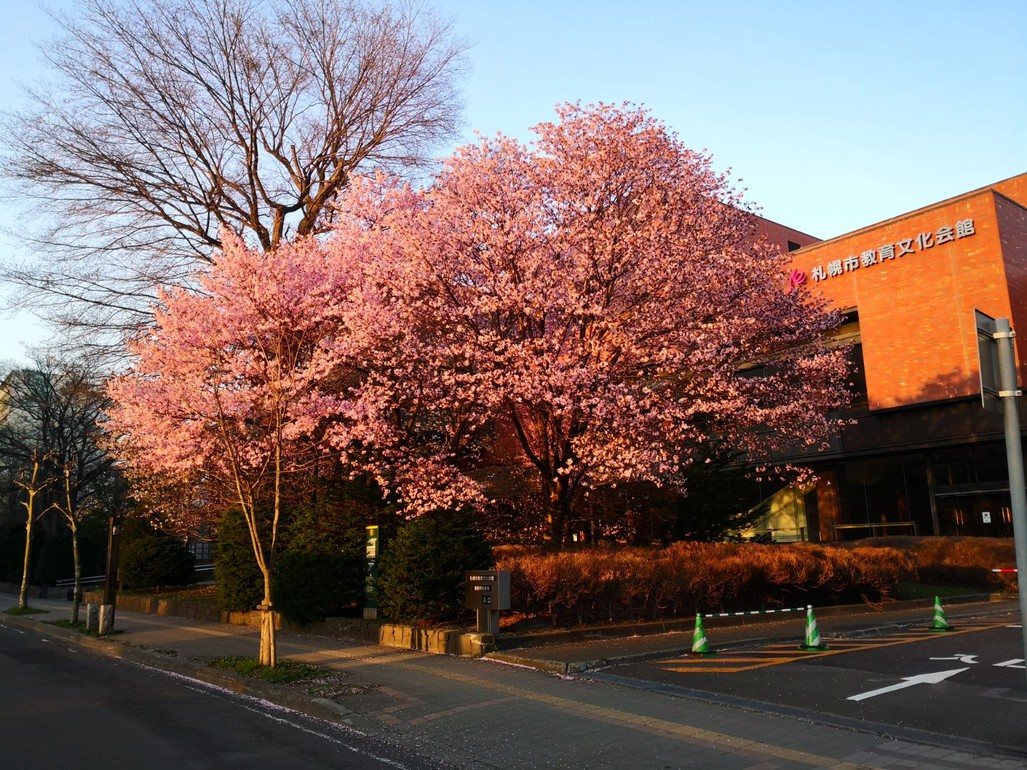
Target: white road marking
<point>909,681</point>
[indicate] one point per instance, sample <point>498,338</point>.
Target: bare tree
<point>169,122</point>
<point>49,430</point>
<point>32,482</point>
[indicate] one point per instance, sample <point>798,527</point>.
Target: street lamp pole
<point>1009,392</point>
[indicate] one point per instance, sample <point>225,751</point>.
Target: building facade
<point>920,455</point>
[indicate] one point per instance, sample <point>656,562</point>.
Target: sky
<point>831,114</point>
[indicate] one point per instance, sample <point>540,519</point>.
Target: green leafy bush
<point>319,566</point>
<point>149,559</point>
<point>321,570</point>
<point>239,582</point>
<point>422,569</point>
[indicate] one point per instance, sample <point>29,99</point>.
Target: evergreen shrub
<point>240,586</point>
<point>422,568</point>
<point>320,572</point>
<point>148,558</point>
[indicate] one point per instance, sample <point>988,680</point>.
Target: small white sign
<point>986,517</point>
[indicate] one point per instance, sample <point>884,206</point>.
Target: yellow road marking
<point>730,662</point>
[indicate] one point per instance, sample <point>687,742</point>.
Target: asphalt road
<point>968,685</point>
<point>63,708</point>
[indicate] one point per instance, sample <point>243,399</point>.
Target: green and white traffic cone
<point>699,644</point>
<point>813,642</point>
<point>940,622</point>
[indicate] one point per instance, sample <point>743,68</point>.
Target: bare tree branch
<point>171,121</point>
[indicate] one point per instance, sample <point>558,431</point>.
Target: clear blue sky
<point>832,114</point>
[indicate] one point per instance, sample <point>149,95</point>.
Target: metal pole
<point>110,588</point>
<point>1009,393</point>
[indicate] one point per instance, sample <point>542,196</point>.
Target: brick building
<point>922,456</point>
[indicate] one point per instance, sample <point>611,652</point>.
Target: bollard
<point>92,617</point>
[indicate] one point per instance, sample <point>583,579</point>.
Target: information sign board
<point>487,589</point>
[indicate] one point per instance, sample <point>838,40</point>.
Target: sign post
<point>370,589</point>
<point>998,362</point>
<point>487,592</point>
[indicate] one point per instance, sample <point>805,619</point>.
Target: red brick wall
<point>916,310</point>
<point>1015,188</point>
<point>780,235</point>
<point>1012,221</point>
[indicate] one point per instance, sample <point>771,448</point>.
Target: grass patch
<point>286,672</point>
<point>24,611</point>
<point>80,626</point>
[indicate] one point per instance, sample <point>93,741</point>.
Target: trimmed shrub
<point>148,558</point>
<point>320,572</point>
<point>422,568</point>
<point>962,561</point>
<point>599,585</point>
<point>240,585</point>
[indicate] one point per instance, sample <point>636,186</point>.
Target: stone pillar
<point>92,617</point>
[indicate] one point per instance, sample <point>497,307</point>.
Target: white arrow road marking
<point>962,657</point>
<point>1014,663</point>
<point>909,681</point>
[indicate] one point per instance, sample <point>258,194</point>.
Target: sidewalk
<point>478,713</point>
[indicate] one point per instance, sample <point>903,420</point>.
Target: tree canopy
<point>594,308</point>
<point>600,295</point>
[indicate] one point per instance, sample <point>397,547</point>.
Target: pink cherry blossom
<point>600,294</point>
<point>225,385</point>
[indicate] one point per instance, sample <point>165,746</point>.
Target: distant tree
<point>168,122</point>
<point>226,384</point>
<point>50,417</point>
<point>32,480</point>
<point>601,295</point>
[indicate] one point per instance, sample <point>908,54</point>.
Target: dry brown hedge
<point>963,561</point>
<point>601,585</point>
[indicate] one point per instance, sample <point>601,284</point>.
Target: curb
<point>196,669</point>
<point>562,667</point>
<point>650,628</point>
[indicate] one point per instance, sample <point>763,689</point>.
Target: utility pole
<point>110,586</point>
<point>997,354</point>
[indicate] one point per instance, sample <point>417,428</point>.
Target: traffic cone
<point>940,622</point>
<point>699,644</point>
<point>813,642</point>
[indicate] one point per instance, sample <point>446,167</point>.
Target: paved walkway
<point>487,714</point>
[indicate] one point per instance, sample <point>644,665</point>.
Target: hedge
<point>598,585</point>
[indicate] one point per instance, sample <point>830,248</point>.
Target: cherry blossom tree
<point>224,386</point>
<point>600,295</point>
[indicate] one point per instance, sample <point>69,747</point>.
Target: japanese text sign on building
<point>923,241</point>
<point>487,589</point>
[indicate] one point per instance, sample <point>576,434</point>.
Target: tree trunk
<point>23,594</point>
<point>268,651</point>
<point>558,506</point>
